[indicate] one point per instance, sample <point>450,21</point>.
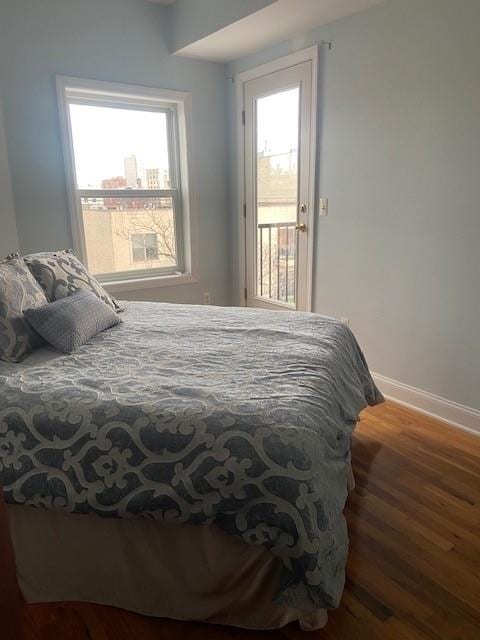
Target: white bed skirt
<point>183,572</point>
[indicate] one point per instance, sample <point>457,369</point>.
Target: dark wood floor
<point>414,566</point>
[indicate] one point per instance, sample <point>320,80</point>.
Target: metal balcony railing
<point>276,248</point>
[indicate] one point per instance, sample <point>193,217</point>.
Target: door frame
<point>305,55</point>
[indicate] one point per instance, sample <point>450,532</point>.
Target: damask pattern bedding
<point>190,414</point>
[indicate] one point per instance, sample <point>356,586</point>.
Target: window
<point>126,154</point>
<point>144,247</point>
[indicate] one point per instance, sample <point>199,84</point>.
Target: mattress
<point>238,418</point>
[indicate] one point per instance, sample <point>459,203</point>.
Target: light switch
<point>324,206</point>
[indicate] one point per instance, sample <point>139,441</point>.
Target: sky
<point>277,122</point>
<point>103,137</point>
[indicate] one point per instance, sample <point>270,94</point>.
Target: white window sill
<point>148,283</point>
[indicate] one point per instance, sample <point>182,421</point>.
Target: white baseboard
<point>453,413</point>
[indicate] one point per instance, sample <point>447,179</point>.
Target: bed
<point>192,462</point>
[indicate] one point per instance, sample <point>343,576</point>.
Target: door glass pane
<point>120,148</point>
<point>277,195</point>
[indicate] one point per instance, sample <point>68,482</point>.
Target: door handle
<point>301,227</point>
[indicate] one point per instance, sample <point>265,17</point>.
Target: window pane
<point>138,254</point>
<point>137,241</point>
<point>128,233</point>
<point>120,148</point>
<point>277,194</point>
<point>150,240</point>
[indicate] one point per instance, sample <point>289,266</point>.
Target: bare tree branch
<point>160,223</point>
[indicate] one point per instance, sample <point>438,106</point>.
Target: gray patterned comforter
<point>237,417</point>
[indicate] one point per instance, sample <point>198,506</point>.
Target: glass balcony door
<point>277,146</point>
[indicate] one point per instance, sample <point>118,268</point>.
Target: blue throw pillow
<point>70,322</point>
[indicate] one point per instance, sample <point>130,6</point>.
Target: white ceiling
<point>282,20</point>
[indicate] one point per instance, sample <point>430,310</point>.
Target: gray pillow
<point>60,273</point>
<point>70,322</point>
<point>18,290</point>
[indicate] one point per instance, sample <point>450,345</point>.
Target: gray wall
<point>118,41</point>
<point>8,227</point>
<point>399,160</point>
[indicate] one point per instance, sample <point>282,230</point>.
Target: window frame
<point>178,109</point>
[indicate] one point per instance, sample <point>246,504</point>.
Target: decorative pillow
<point>18,290</point>
<point>61,273</point>
<point>70,322</point>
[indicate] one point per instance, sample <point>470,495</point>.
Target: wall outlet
<point>345,321</point>
<point>207,298</point>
